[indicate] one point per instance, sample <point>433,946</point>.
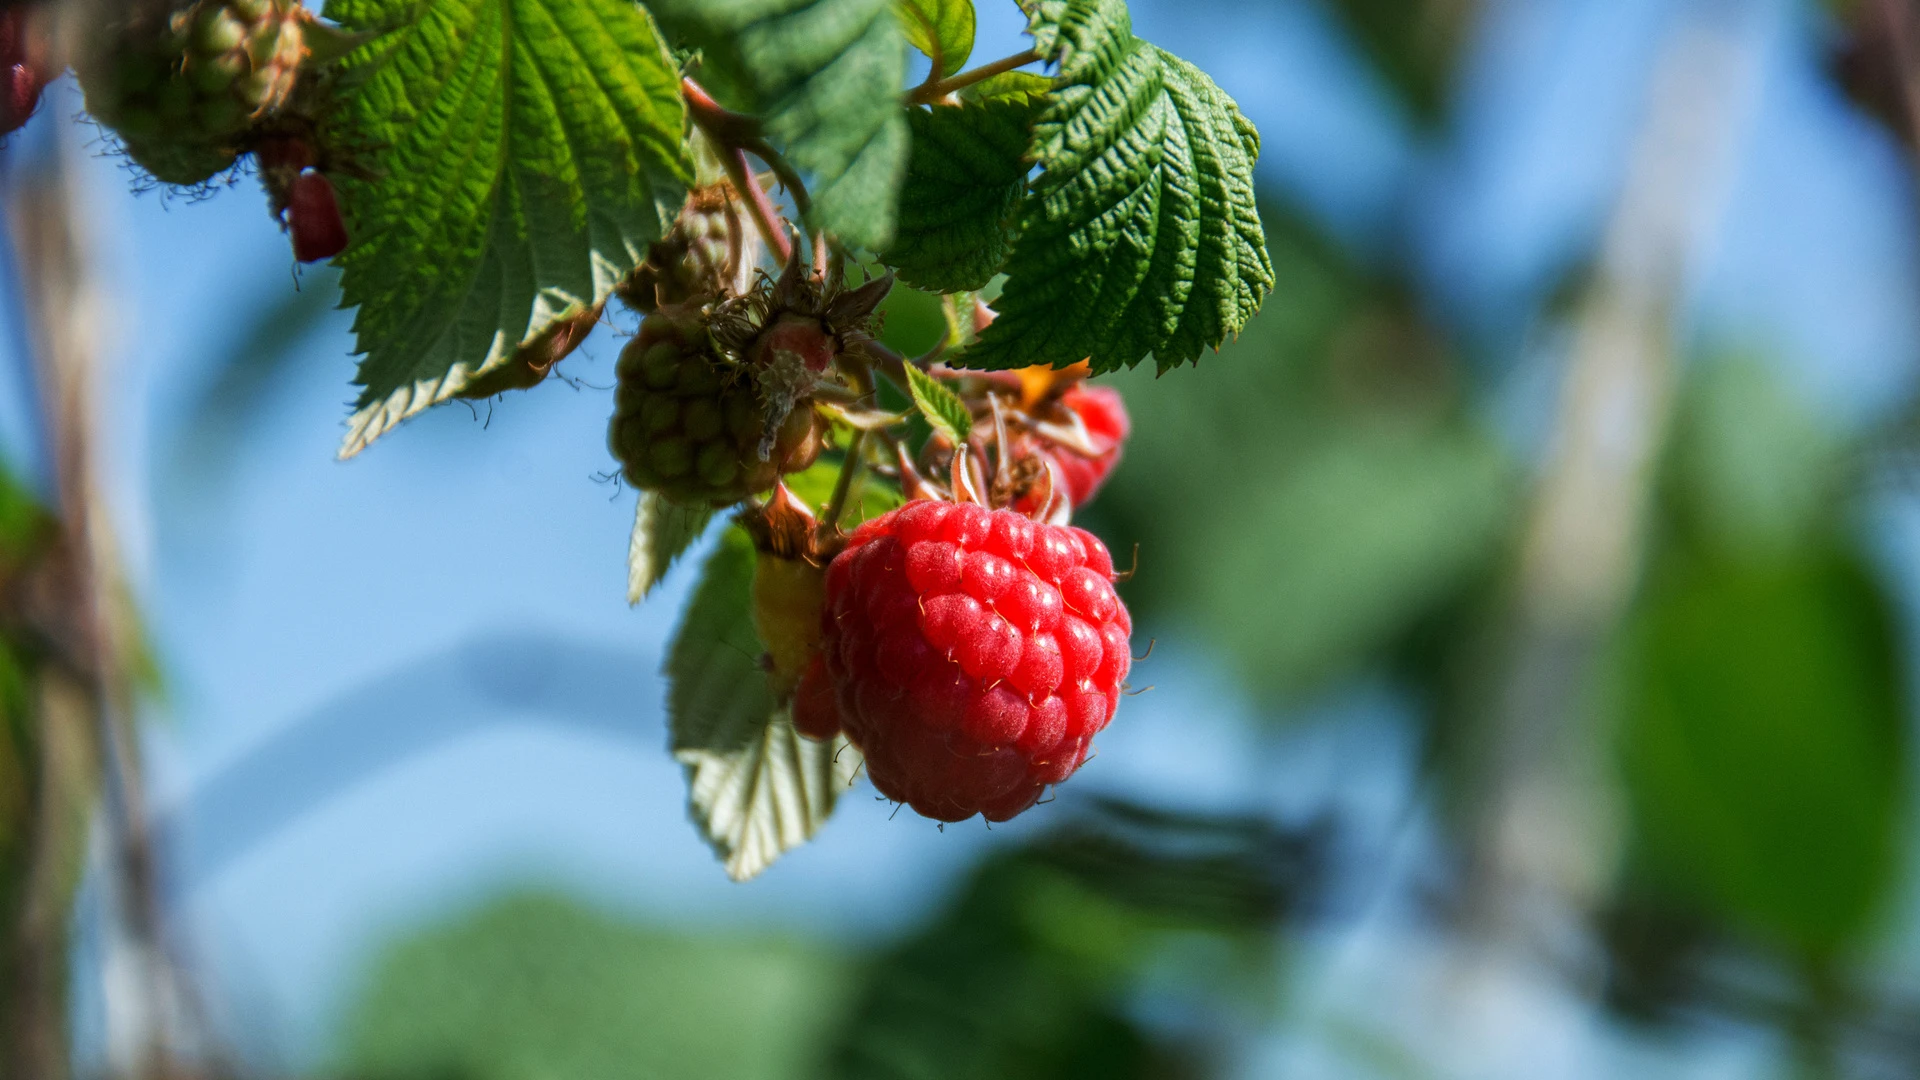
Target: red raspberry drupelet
<point>974,654</point>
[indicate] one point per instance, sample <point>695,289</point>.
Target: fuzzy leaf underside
<point>943,29</point>
<point>521,155</point>
<point>756,788</point>
<point>825,75</point>
<point>662,532</point>
<point>1140,236</point>
<point>965,176</point>
<point>945,411</point>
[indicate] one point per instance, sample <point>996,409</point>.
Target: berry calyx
<point>694,425</point>
<point>974,654</point>
<point>707,255</point>
<point>313,218</point>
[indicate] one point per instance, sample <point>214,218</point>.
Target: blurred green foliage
<point>1411,46</point>
<point>1759,693</point>
<point>1032,971</point>
<point>1309,496</point>
<point>537,987</point>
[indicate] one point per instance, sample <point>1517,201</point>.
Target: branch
<point>927,93</point>
<point>734,136</point>
<point>722,125</point>
<point>765,217</point>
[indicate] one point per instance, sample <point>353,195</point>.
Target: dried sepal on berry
<point>792,330</point>
<point>1055,439</point>
<point>709,254</point>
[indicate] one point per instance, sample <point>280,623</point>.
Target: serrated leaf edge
<point>662,532</point>
<point>941,406</point>
<point>743,810</point>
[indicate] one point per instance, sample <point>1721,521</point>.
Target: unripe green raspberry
<point>691,426</point>
<point>182,86</point>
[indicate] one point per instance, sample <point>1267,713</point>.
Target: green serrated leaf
<point>943,29</point>
<point>756,788</point>
<point>662,532</point>
<point>1015,86</point>
<point>965,177</point>
<point>945,411</point>
<point>825,75</point>
<point>1140,235</point>
<point>521,156</point>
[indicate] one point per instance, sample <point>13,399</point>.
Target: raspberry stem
<point>843,484</point>
<point>930,92</point>
<point>765,217</point>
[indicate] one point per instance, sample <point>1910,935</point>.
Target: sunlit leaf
<point>1140,235</point>
<point>756,788</point>
<point>518,159</point>
<point>943,29</point>
<point>662,532</point>
<point>965,178</point>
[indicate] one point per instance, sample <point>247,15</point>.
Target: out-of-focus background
<point>1533,587</point>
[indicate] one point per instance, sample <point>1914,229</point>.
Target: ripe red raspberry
<point>974,653</point>
<point>1105,417</point>
<point>313,217</point>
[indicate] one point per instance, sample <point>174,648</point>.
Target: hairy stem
<point>724,126</point>
<point>930,92</point>
<point>734,136</point>
<point>843,484</point>
<point>765,217</point>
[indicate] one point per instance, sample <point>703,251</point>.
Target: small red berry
<point>1105,417</point>
<point>806,338</point>
<point>313,216</point>
<point>974,654</point>
<point>21,79</point>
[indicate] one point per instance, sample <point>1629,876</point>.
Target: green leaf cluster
<point>522,157</point>
<point>1140,235</point>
